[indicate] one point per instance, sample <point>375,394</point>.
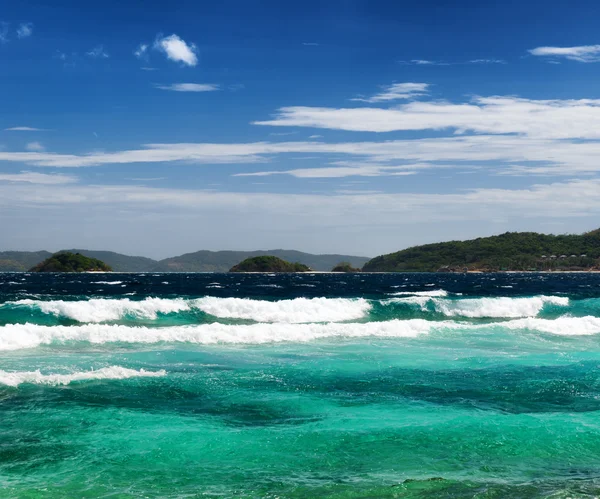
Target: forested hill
<point>509,251</point>
<point>200,261</point>
<point>222,261</point>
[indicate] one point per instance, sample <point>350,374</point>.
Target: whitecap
<point>17,378</point>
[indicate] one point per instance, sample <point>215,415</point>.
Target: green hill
<point>70,262</point>
<point>222,261</point>
<point>119,262</point>
<point>268,264</point>
<point>509,251</point>
<point>21,261</point>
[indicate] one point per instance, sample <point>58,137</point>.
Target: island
<point>268,263</point>
<point>512,251</point>
<point>71,262</point>
<point>344,267</point>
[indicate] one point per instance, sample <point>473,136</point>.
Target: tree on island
<point>71,262</point>
<point>268,264</point>
<point>344,267</point>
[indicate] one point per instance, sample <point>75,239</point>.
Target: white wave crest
<point>563,326</point>
<point>498,307</point>
<point>299,310</point>
<point>36,377</point>
<point>103,310</point>
<point>109,283</point>
<point>23,336</point>
<point>432,293</point>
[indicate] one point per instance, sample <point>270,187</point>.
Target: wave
<point>498,307</point>
<point>105,310</point>
<point>24,336</point>
<point>299,310</point>
<point>432,293</point>
<point>17,378</point>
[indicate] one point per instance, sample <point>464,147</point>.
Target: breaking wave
<point>17,378</point>
<point>299,310</point>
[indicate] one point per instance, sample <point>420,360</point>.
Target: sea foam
<point>106,373</point>
<point>299,310</point>
<point>496,307</point>
<point>23,336</point>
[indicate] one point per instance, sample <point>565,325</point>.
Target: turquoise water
<point>304,386</point>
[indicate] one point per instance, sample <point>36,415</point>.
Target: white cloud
<point>34,146</point>
<point>557,119</point>
<point>37,178</point>
<point>583,53</point>
<point>367,170</point>
<point>142,51</point>
<point>177,49</point>
<point>397,91</point>
<point>315,136</point>
<point>98,52</point>
<point>425,62</point>
<point>4,32</point>
<point>23,129</point>
<point>24,30</point>
<point>190,87</point>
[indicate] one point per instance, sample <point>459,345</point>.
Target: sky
<point>359,127</point>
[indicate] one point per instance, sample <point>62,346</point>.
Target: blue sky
<point>360,127</point>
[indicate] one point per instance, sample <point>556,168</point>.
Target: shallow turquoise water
<point>368,393</point>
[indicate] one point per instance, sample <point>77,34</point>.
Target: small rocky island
<point>268,264</point>
<point>71,262</point>
<point>344,267</point>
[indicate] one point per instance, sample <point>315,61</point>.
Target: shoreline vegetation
<point>71,262</point>
<point>508,252</point>
<point>270,264</point>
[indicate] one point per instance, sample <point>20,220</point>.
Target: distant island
<point>199,261</point>
<point>71,262</point>
<point>344,267</point>
<point>512,251</point>
<point>268,263</point>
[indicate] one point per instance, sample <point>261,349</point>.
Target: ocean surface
<point>299,386</point>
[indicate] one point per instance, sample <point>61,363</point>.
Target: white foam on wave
<point>432,293</point>
<point>109,283</point>
<point>103,310</point>
<point>497,307</point>
<point>298,310</point>
<point>24,336</point>
<point>563,326</point>
<point>112,373</point>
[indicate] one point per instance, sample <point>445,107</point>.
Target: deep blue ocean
<point>299,385</point>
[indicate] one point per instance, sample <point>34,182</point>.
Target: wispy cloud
<point>397,91</point>
<point>177,49</point>
<point>189,87</point>
<point>38,178</point>
<point>24,129</point>
<point>556,119</point>
<point>141,52</point>
<point>24,30</point>
<point>4,32</point>
<point>35,146</point>
<point>98,52</point>
<point>583,53</point>
<point>425,62</point>
<point>310,44</point>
